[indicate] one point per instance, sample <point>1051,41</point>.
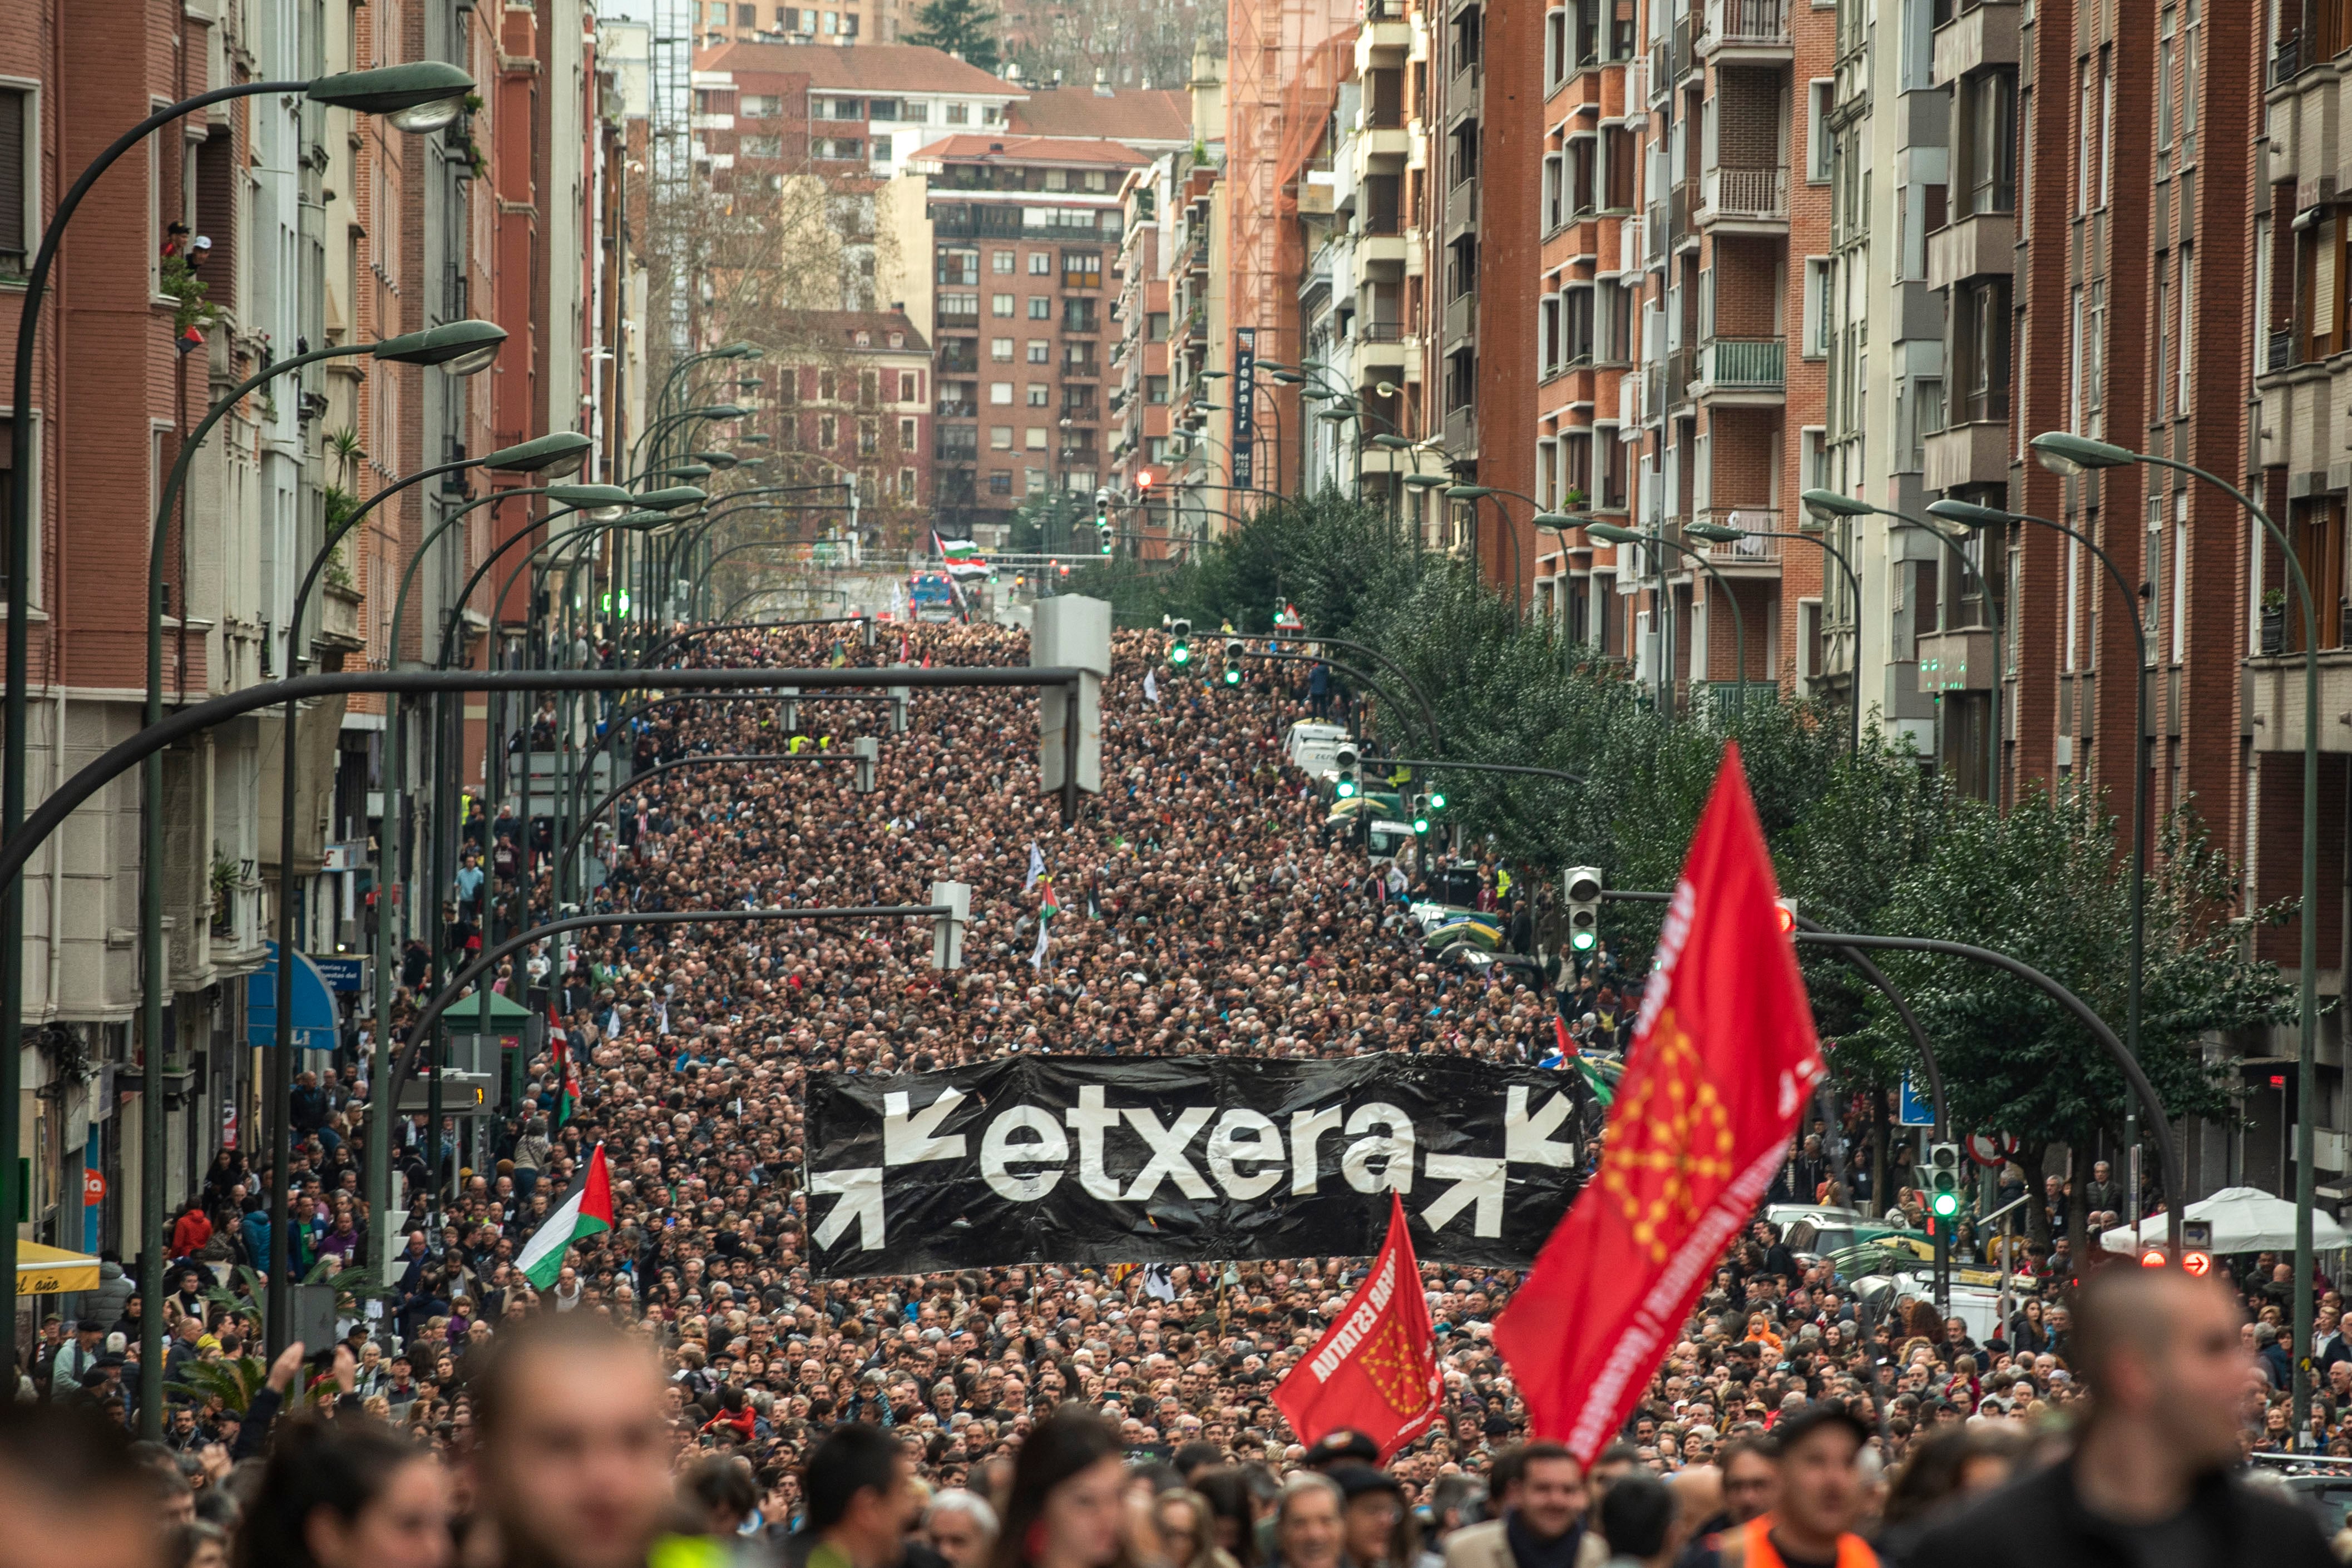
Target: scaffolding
<point>1285,59</point>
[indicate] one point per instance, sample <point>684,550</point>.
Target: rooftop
<point>839,328</point>
<point>1017,149</point>
<point>886,68</point>
<point>1156,115</point>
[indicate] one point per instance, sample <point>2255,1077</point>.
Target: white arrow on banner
<point>1529,1138</point>
<point>907,1140</point>
<point>1476,1178</point>
<point>860,1190</point>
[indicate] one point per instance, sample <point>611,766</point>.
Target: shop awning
<point>52,1270</point>
<point>315,1019</point>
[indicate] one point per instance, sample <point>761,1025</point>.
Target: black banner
<point>1066,1159</point>
<point>1243,445</point>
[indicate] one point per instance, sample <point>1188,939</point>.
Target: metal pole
<point>2306,916</point>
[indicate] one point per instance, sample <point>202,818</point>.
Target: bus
<point>931,595</point>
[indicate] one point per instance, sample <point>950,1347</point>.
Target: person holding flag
<point>1723,1059</point>
<point>586,1210</point>
<point>1047,910</point>
<point>1374,1371</point>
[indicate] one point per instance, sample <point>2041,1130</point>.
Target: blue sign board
<point>315,1019</point>
<point>342,973</point>
<point>1913,1108</point>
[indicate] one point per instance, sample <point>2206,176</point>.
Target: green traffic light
<point>1947,1204</point>
<point>1347,789</point>
<point>1437,799</point>
<point>1233,675</point>
<point>1582,941</point>
<point>1181,654</point>
<point>1421,822</point>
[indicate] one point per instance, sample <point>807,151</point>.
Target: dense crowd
<point>1205,907</point>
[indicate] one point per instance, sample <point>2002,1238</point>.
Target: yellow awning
<point>50,1270</point>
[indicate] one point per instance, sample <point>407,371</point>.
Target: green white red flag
<point>586,1210</point>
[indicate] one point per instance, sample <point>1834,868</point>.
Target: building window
<point>1040,352</point>
<point>1041,263</point>
<point>1001,394</point>
<point>1821,97</point>
<point>1035,438</point>
<point>1041,308</point>
<point>1155,326</point>
<point>1040,394</point>
<point>828,432</point>
<point>1082,269</point>
<point>906,484</point>
<point>1000,261</point>
<point>1155,388</point>
<point>1981,334</point>
<point>869,437</point>
<point>1000,349</point>
<point>1987,142</point>
<point>1000,305</point>
<point>761,146</point>
<point>1000,438</point>
<point>906,435</point>
<point>2184,360</point>
<point>1000,483</point>
<point>961,114</point>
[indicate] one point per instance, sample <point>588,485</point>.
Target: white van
<point>1313,747</point>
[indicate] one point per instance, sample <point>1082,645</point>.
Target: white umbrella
<point>2244,1219</point>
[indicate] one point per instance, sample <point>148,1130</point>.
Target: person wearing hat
<point>1375,1527</point>
<point>75,1359</point>
<point>1822,1496</point>
<point>1340,1446</point>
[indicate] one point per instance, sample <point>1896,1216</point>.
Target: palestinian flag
<point>584,1211</point>
<point>957,550</point>
<point>1047,910</point>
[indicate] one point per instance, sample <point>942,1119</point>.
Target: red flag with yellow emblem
<point>1723,1056</point>
<point>1375,1370</point>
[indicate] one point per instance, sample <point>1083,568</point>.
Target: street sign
<point>1913,1108</point>
<point>342,972</point>
<point>1991,1150</point>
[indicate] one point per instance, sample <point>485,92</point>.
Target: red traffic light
<point>1143,479</point>
<point>1783,911</point>
<point>2154,1257</point>
<point>1063,568</point>
<point>2198,1263</point>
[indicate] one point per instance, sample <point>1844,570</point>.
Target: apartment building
<point>776,109</point>
<point>852,398</point>
<point>1024,236</point>
<point>713,23</point>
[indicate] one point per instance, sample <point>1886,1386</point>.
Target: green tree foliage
<point>960,26</point>
<point>1867,842</point>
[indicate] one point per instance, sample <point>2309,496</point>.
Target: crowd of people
<point>1204,907</point>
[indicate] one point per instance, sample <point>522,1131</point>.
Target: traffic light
<point>1062,569</point>
<point>1944,1180</point>
<point>1143,482</point>
<point>2197,1247</point>
<point>1233,652</point>
<point>1788,915</point>
<point>1437,799</point>
<point>1108,537</point>
<point>1421,813</point>
<point>1582,887</point>
<point>1343,763</point>
<point>1180,642</point>
<point>2157,1255</point>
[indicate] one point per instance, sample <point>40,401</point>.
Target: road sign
<point>1991,1150</point>
<point>1913,1108</point>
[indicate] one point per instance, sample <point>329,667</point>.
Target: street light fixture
<point>719,462</point>
<point>2071,457</point>
<point>417,96</point>
<point>598,503</point>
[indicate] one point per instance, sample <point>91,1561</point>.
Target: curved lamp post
<point>1623,536</point>
<point>1719,533</point>
<point>421,96</point>
<point>2069,456</point>
<point>1826,506</point>
<point>460,348</point>
<point>528,457</point>
<point>1969,515</point>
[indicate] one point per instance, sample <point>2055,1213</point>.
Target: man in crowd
<point>1542,1525</point>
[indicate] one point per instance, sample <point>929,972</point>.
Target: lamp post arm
<point>1739,621</point>
<point>457,604</point>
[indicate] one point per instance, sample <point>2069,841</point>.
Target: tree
<point>962,28</point>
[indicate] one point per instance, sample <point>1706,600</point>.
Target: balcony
<point>1747,29</point>
<point>1762,557</point>
<point>948,452</point>
<point>1462,319</point>
<point>1462,206</point>
<point>2279,350</point>
<point>1981,246</point>
<point>2272,692</point>
<point>1975,453</point>
<point>1985,33</point>
<point>957,320</point>
<point>958,408</point>
<point>1746,201</point>
<point>1379,247</point>
<point>1743,371</point>
<point>2286,59</point>
<point>966,363</point>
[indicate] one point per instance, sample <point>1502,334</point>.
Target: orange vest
<point>1755,1547</point>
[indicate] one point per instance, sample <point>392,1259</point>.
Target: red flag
<point>1375,1371</point>
<point>1722,1056</point>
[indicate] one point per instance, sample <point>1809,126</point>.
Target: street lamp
<point>1616,535</point>
<point>530,457</point>
<point>1719,533</point>
<point>459,347</point>
<point>420,96</point>
<point>2071,457</point>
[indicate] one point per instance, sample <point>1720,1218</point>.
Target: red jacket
<point>189,1236</point>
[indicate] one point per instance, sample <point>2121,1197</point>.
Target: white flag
<point>1037,958</point>
<point>1036,870</point>
<point>1151,689</point>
